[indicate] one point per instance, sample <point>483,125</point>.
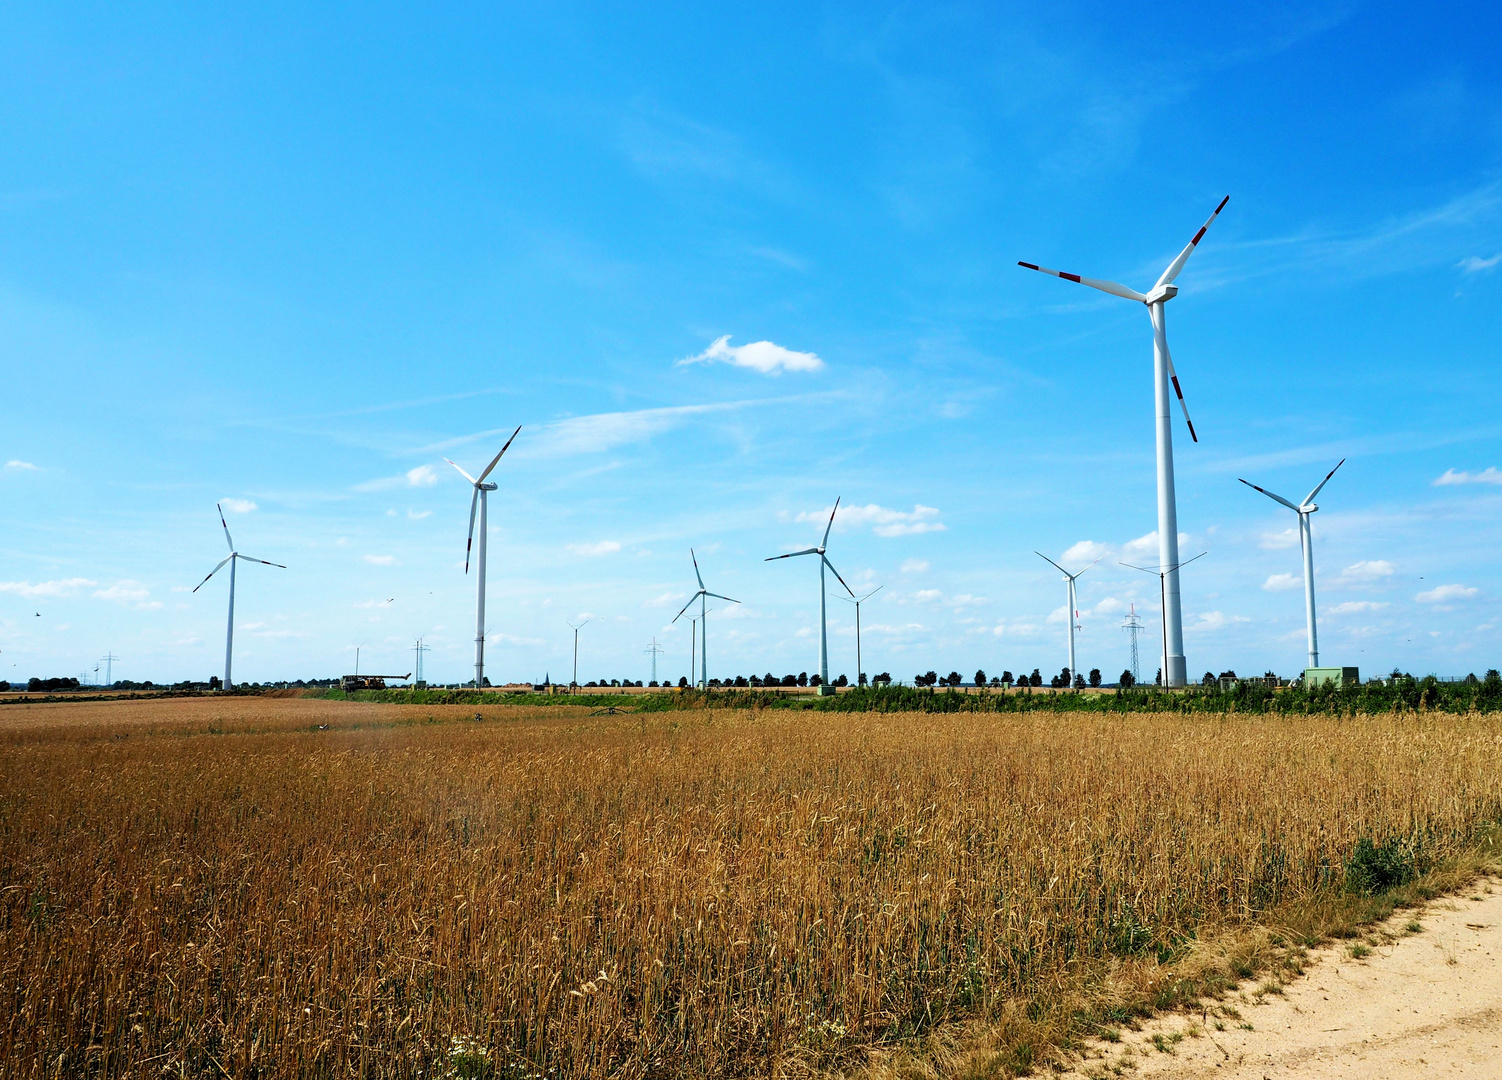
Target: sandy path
<point>1424,1004</point>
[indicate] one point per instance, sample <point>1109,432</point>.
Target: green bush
<point>1372,869</point>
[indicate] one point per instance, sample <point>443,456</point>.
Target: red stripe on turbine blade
<point>1176,389</point>
<point>1222,205</point>
<point>1030,266</point>
<point>1196,240</point>
<point>1192,435</point>
<point>1069,277</point>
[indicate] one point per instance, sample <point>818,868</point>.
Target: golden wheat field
<point>226,888</point>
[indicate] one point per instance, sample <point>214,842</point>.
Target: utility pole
<point>108,660</point>
<point>1134,626</point>
<point>574,686</point>
<point>858,601</point>
<point>419,649</point>
<point>693,641</point>
<point>655,650</point>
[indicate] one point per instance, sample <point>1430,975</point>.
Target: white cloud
<point>762,356</point>
<point>1367,570</point>
<point>1279,540</point>
<point>65,587</point>
<point>237,506</point>
<point>1281,582</point>
<point>124,591</point>
<point>1489,475</point>
<point>422,476</point>
<point>1110,606</point>
<point>884,522</point>
<point>1356,607</point>
<point>601,547</point>
<point>1059,614</point>
<point>1210,621</point>
<point>1475,264</point>
<point>1143,546</point>
<point>667,599</point>
<point>380,560</point>
<point>1086,551</point>
<point>928,596</point>
<point>418,515</point>
<point>913,566</point>
<point>15,463</point>
<point>1443,594</point>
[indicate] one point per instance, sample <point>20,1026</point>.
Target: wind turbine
<point>1163,572</point>
<point>1176,669</point>
<point>1073,606</point>
<point>1306,540</point>
<point>233,557</point>
<point>482,489</point>
<point>824,688</point>
<point>703,597</point>
<point>576,627</point>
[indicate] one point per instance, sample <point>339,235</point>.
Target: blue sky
<point>291,258</point>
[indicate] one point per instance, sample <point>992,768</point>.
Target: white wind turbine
<point>702,596</point>
<point>1073,605</point>
<point>1176,671</point>
<point>229,632</point>
<point>1306,540</point>
<point>482,489</point>
<point>824,687</point>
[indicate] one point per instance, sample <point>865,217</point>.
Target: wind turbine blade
<point>462,473</point>
<point>789,555</point>
<point>247,558</point>
<point>1178,264</point>
<point>212,572</point>
<point>497,458</point>
<point>1095,283</point>
<point>1053,564</point>
<point>1173,377</point>
<point>227,539</point>
<point>698,575</point>
<point>1270,495</point>
<point>686,606</point>
<point>717,596</point>
<point>1310,497</point>
<point>1088,567</point>
<point>841,580</point>
<point>825,541</point>
<point>474,505</point>
<point>1144,569</point>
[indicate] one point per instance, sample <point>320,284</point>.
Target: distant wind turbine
<point>824,687</point>
<point>482,489</point>
<point>232,558</point>
<point>1175,668</point>
<point>858,601</point>
<point>1073,605</point>
<point>702,596</point>
<point>1306,540</point>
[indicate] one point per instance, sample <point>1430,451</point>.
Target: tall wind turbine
<point>1306,539</point>
<point>703,597</point>
<point>482,489</point>
<point>824,687</point>
<point>233,557</point>
<point>1073,605</point>
<point>1176,668</point>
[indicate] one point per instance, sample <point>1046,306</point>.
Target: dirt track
<point>1426,1003</point>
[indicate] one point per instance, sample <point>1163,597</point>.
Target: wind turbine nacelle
<point>1162,293</point>
<point>1311,508</point>
<point>488,486</point>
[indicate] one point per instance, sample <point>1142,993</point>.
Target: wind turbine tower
<point>703,597</point>
<point>1073,601</point>
<point>419,648</point>
<point>482,489</point>
<point>1175,668</point>
<point>232,558</point>
<point>1306,540</point>
<point>824,687</point>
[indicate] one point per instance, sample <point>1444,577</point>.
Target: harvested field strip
<point>218,884</point>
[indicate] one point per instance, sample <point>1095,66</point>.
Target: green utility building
<point>1340,676</point>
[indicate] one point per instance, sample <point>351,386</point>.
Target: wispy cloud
<point>237,506</point>
<point>25,466</point>
<point>1489,475</point>
<point>380,560</point>
<point>1282,582</point>
<point>125,591</point>
<point>1211,621</point>
<point>422,476</point>
<point>1367,570</point>
<point>913,566</point>
<point>883,521</point>
<point>1446,594</point>
<point>763,356</point>
<point>64,587</point>
<point>1356,607</point>
<point>1475,264</point>
<point>599,547</point>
